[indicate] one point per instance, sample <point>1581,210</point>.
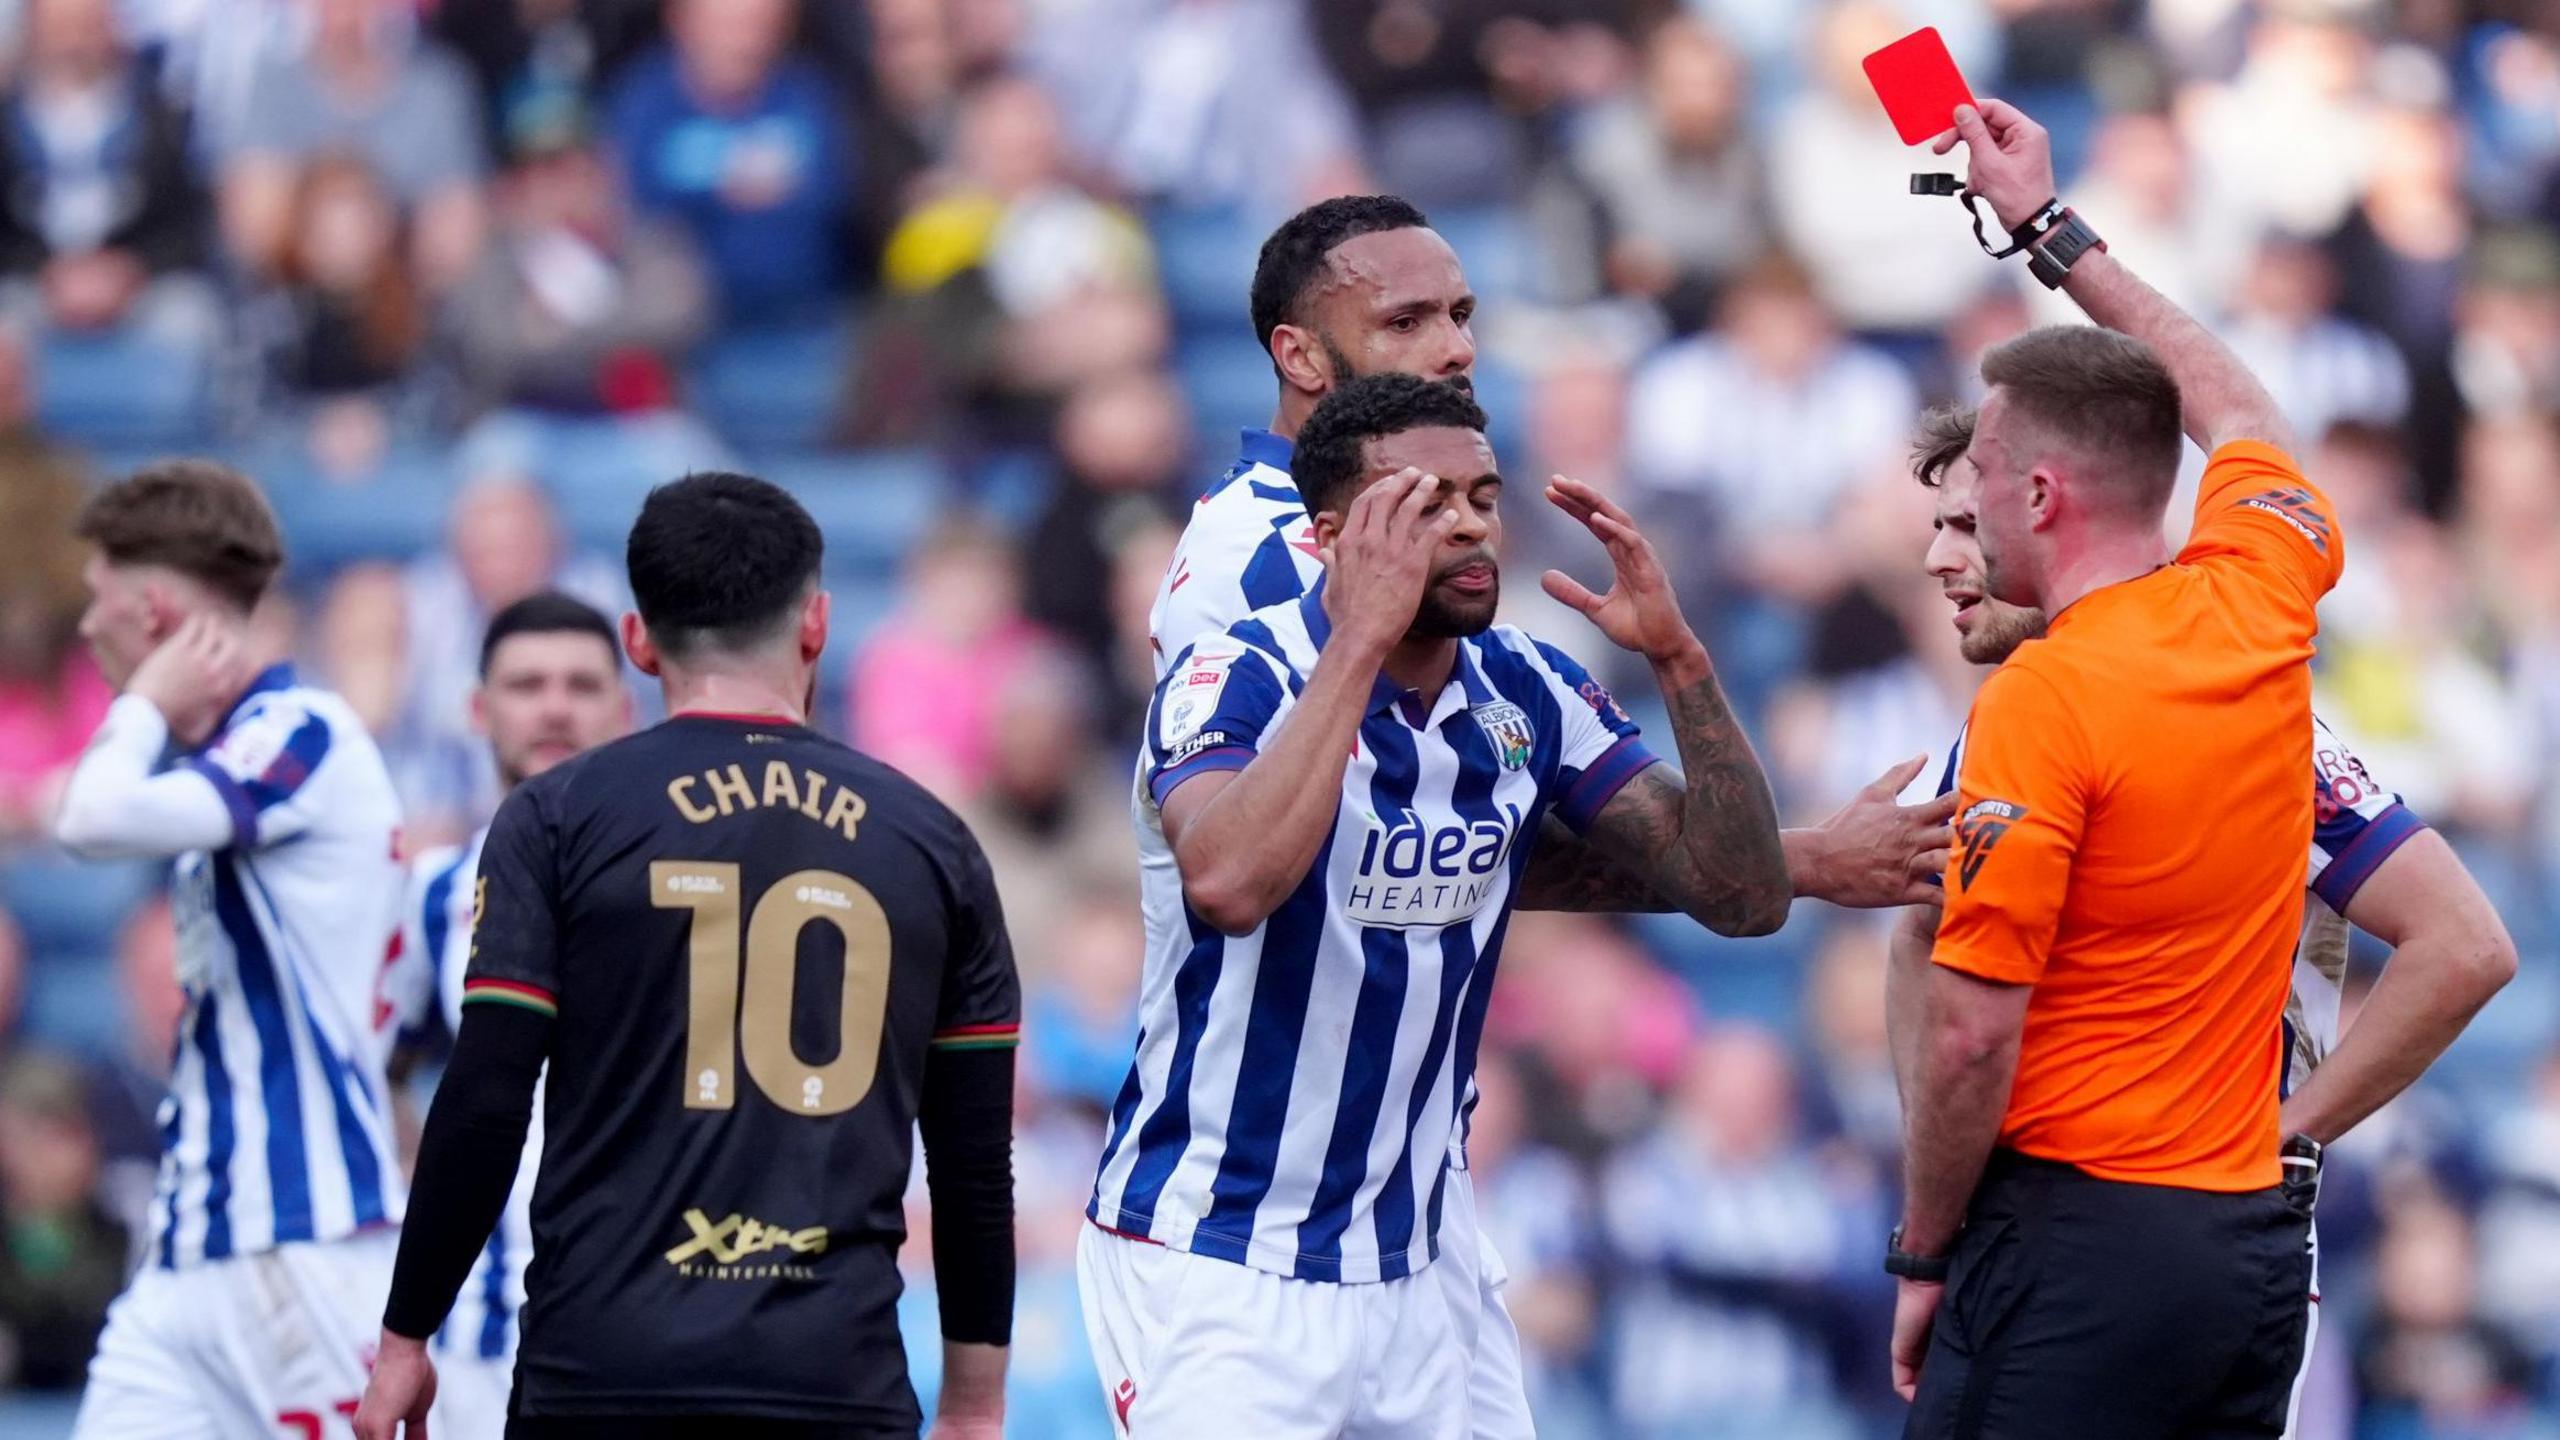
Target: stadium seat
<point>872,507</point>
<point>1491,243</point>
<point>389,513</point>
<point>123,390</point>
<point>773,387</point>
<point>1206,256</point>
<point>1227,380</point>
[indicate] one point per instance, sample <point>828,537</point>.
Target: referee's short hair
<point>1328,462</point>
<point>2106,396</point>
<point>547,612</point>
<point>720,561</point>
<point>1294,256</point>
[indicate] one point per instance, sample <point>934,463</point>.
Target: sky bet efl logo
<point>1415,876</point>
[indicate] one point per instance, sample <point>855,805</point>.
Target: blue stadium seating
<point>123,390</point>
<point>872,506</point>
<point>773,388</point>
<point>1206,259</point>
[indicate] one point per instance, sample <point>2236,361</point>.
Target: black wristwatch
<point>2059,246</point>
<point>1931,1269</point>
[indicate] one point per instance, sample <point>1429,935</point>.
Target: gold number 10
<point>715,1025</point>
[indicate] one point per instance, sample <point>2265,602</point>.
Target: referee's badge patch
<point>1507,726</point>
<point>1192,697</point>
<point>1978,832</point>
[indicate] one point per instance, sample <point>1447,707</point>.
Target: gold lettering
<point>778,786</point>
<point>694,812</point>
<point>809,795</point>
<point>729,784</point>
<point>846,812</point>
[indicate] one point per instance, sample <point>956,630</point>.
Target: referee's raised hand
<point>1380,563</point>
<point>2008,158</point>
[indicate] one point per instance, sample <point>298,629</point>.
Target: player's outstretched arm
<point>1244,839</point>
<point>1871,854</point>
<point>2010,165</point>
<point>1707,836</point>
<point>2450,954</point>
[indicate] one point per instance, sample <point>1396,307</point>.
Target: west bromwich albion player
<point>271,1234</point>
<point>756,963</point>
<point>2373,863</point>
<point>1360,285</point>
<point>550,688</point>
<point>1334,808</point>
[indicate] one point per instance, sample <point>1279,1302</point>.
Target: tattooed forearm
<point>1708,835</point>
<point>1567,872</point>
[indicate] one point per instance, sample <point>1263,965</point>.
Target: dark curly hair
<point>1944,435</point>
<point>720,560</point>
<point>1295,254</point>
<point>1328,465</point>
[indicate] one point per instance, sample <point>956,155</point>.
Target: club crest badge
<point>1507,726</point>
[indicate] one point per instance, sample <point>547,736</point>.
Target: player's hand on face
<point>193,677</point>
<point>397,1397</point>
<point>1381,561</point>
<point>1915,1311</point>
<point>1879,852</point>
<point>1640,612</point>
<point>2008,158</point>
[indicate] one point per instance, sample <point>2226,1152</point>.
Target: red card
<point>1918,82</point>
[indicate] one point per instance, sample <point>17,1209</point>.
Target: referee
<point>2095,1242</point>
<point>754,961</point>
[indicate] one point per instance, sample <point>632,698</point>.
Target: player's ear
<point>637,643</point>
<point>1327,528</point>
<point>815,613</point>
<point>1304,366</point>
<point>480,710</point>
<point>2044,498</point>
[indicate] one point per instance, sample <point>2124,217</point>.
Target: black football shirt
<point>752,937</point>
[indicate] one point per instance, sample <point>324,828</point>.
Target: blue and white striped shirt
<point>276,1126</point>
<point>1249,543</point>
<point>1294,1089</point>
<point>485,1315</point>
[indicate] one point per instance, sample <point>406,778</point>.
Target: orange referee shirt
<point>2130,829</point>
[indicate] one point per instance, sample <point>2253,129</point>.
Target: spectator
<point>1054,824</point>
<point>728,133</point>
<point>1124,442</point>
<point>367,88</point>
<point>418,632</point>
<point>65,1253</point>
<point>1751,435</point>
<point>1599,1029</point>
<point>1536,1205</point>
<point>2399,257</point>
<point>102,219</point>
<point>1199,104</point>
<point>2142,179</point>
<point>2432,1364</point>
<point>346,328</point>
<point>925,687</point>
<point>1735,1240</point>
<point>51,695</point>
<point>1841,191</point>
<point>538,63</point>
<point>2506,345</point>
<point>2286,142</point>
<point>1660,195</point>
<point>1081,1017</point>
<point>576,307</point>
<point>1009,286</point>
<point>2320,368</point>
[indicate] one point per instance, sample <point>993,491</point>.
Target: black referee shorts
<point>2105,1311</point>
<point>691,1427</point>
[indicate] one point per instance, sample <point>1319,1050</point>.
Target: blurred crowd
<point>459,279</point>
